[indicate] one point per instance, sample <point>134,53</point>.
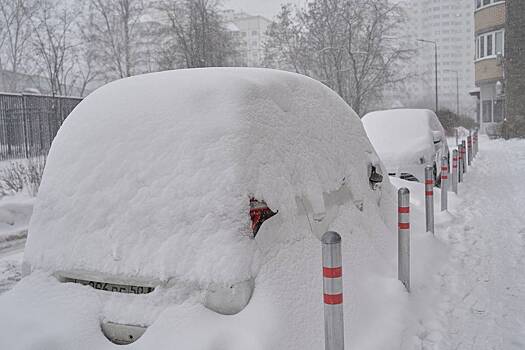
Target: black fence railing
<point>28,123</point>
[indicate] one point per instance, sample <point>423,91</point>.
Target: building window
<point>499,110</point>
<point>499,42</point>
<point>487,111</point>
<point>490,44</point>
<point>483,3</point>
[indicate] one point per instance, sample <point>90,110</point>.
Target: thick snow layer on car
<point>150,176</point>
<point>403,136</point>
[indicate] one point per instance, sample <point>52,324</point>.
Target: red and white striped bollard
<point>455,171</point>
<point>333,291</point>
<point>403,237</point>
<point>444,183</point>
<point>429,197</point>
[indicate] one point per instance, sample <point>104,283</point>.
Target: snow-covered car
<point>183,210</point>
<point>407,140</point>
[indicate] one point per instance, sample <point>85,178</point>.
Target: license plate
<point>111,287</point>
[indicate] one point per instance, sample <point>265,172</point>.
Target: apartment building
<point>450,25</point>
<point>490,18</point>
<point>514,60</point>
<point>251,33</point>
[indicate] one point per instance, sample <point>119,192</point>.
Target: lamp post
<point>435,65</point>
<point>457,88</point>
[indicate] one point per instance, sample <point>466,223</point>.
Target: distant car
<point>407,140</point>
<point>185,208</point>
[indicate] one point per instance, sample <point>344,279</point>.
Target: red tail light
<point>259,213</point>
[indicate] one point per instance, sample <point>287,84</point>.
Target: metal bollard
<point>455,171</point>
<point>429,197</point>
<point>469,148</point>
<point>464,155</point>
<point>403,237</point>
<point>475,143</point>
<point>333,291</point>
<point>444,183</point>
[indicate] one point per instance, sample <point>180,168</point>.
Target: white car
<point>407,140</point>
<point>183,210</point>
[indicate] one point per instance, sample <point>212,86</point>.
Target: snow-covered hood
<point>150,176</point>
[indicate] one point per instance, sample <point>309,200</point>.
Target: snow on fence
<point>29,123</point>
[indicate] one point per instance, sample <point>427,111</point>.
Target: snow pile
<point>15,213</point>
<point>403,136</point>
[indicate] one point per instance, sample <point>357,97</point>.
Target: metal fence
<point>28,123</point>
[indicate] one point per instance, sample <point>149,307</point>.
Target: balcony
<point>487,70</point>
<point>489,18</point>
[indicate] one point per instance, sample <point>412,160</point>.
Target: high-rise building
<point>449,25</point>
<point>489,17</point>
<point>251,33</point>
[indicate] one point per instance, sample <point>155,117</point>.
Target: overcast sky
<point>266,8</point>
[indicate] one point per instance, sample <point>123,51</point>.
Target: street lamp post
<point>457,88</point>
<point>435,65</point>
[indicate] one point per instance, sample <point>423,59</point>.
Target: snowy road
<point>483,286</point>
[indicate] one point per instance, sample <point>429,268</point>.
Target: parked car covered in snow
<point>407,140</point>
<point>184,209</point>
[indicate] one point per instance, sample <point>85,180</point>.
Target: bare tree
<point>15,34</point>
<point>350,45</point>
<point>117,28</point>
<point>196,36</point>
<point>55,45</point>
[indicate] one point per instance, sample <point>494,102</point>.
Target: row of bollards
<point>331,241</point>
<point>461,159</point>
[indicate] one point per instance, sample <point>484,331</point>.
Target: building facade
<point>514,63</point>
<point>450,25</point>
<point>490,51</point>
<point>251,34</point>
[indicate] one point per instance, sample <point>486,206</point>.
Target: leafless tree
<point>350,45</point>
<point>117,27</point>
<point>196,36</point>
<point>15,36</point>
<point>55,45</point>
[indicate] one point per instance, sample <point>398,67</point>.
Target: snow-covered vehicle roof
<point>402,136</point>
<point>150,176</point>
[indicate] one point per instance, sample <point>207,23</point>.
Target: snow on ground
<point>15,213</point>
<point>467,281</point>
<point>473,296</point>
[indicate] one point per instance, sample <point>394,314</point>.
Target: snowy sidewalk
<point>483,286</point>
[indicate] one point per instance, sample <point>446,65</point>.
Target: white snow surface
<point>402,136</point>
<point>467,283</point>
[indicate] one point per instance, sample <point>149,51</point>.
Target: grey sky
<point>266,8</point>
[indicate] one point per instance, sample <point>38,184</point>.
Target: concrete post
<point>455,171</point>
<point>429,197</point>
<point>444,183</point>
<point>333,291</point>
<point>403,237</point>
